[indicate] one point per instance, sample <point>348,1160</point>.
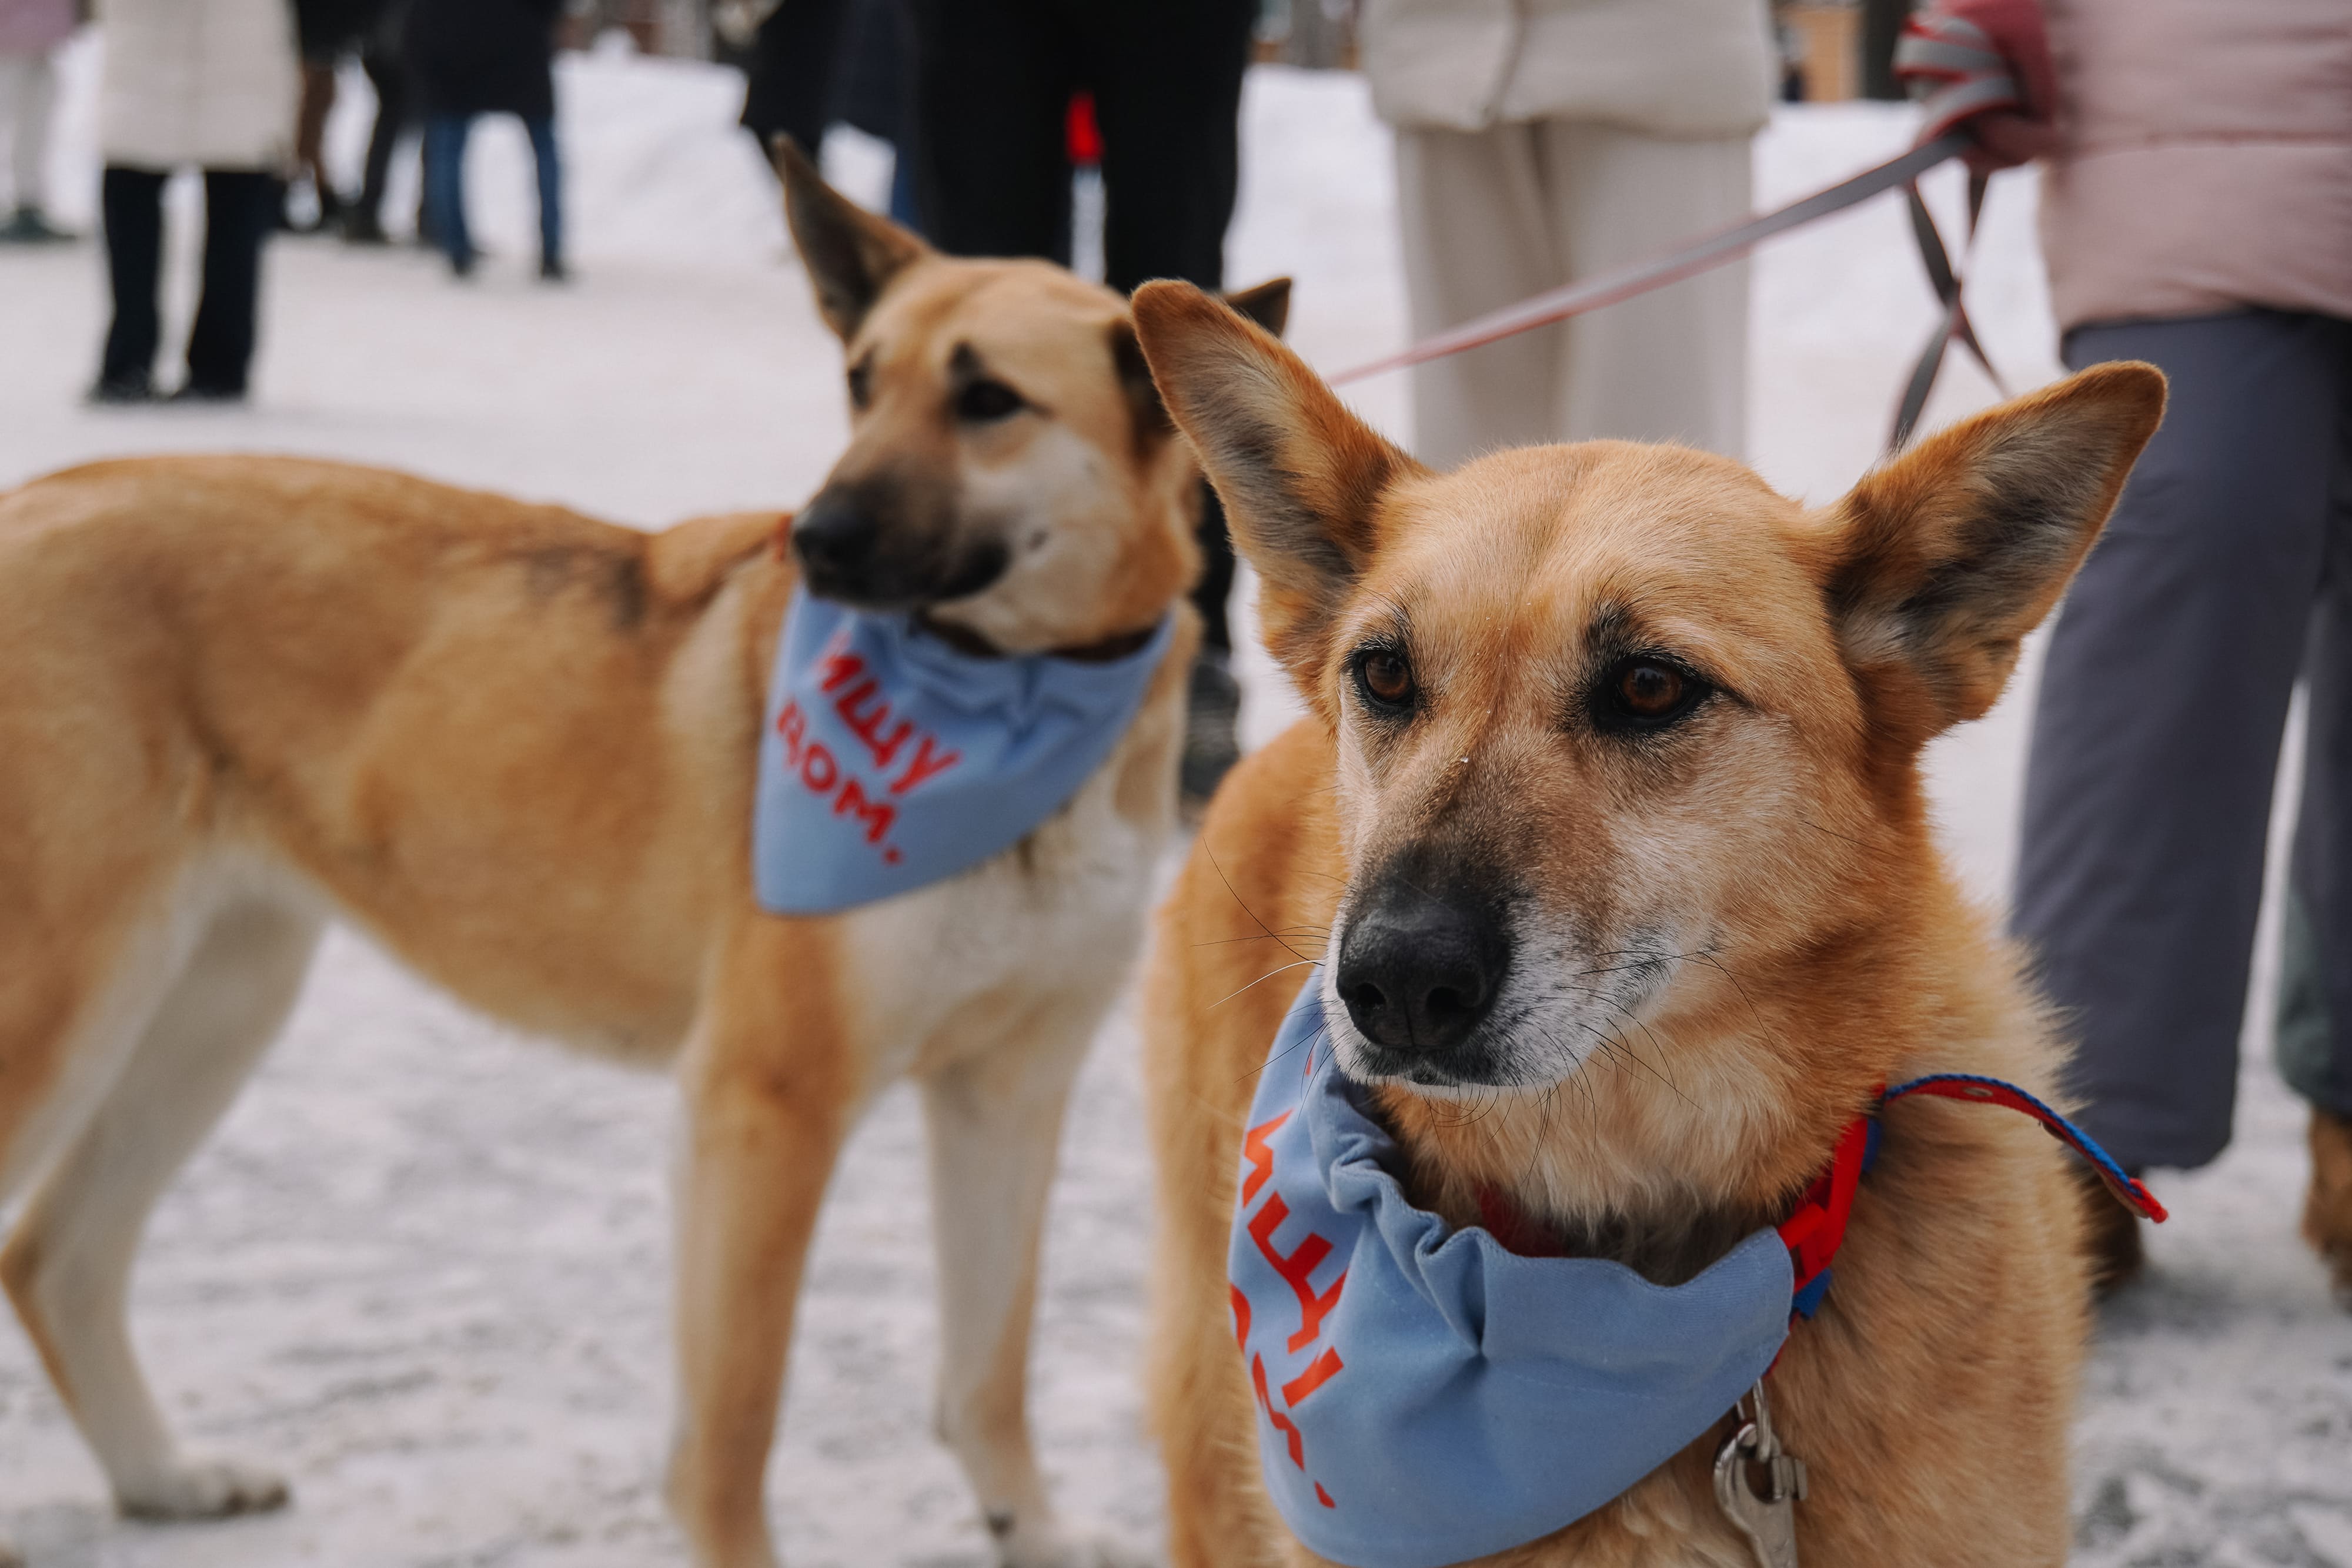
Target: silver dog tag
<point>1758,1484</point>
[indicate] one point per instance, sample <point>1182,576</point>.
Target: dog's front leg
<point>995,1125</point>
<point>771,1088</point>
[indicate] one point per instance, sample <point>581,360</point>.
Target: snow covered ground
<point>423,1266</point>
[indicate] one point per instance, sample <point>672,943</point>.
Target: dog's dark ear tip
<point>1267,303</point>
<point>796,168</point>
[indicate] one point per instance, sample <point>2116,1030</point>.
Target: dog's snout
<point>834,538</point>
<point>1417,973</point>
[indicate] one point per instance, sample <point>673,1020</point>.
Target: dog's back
<point>231,674</point>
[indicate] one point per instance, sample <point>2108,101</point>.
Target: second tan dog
<point>1608,828</point>
<point>516,745</point>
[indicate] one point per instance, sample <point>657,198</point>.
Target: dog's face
<point>1009,471</point>
<point>1617,725</point>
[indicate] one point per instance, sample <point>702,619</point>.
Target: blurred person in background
<point>30,32</point>
<point>2197,214</point>
<point>808,63</point>
<point>327,30</point>
<point>203,83</point>
<point>472,58</point>
<point>382,57</point>
<point>993,81</point>
<point>1540,141</point>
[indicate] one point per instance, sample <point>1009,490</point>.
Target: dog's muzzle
<point>848,554</point>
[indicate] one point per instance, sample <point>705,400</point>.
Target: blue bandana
<point>890,761</point>
<point>1425,1396</point>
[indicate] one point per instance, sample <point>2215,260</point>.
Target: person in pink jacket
<point>30,32</point>
<point>2197,212</point>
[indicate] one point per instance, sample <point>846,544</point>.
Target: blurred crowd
<point>2197,212</point>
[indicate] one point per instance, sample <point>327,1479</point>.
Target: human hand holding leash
<point>1983,66</point>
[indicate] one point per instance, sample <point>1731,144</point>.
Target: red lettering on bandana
<point>840,665</point>
<point>867,726</point>
<point>929,763</point>
<point>1297,1268</point>
<point>793,725</point>
<point>878,815</point>
<point>817,752</point>
<point>1294,1392</point>
<point>1282,1423</point>
<point>1260,1156</point>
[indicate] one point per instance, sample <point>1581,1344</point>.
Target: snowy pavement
<point>422,1268</point>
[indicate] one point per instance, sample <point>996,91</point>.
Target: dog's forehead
<point>1546,545</point>
<point>1020,319</point>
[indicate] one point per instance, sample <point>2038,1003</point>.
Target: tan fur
<point>2327,1205</point>
<point>516,746</point>
<point>1769,862</point>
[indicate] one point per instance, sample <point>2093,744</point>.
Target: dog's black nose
<point>835,539</point>
<point>1417,972</point>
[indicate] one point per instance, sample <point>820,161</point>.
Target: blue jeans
<point>444,188</point>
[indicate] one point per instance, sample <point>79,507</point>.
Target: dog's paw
<point>203,1489</point>
<point>1055,1547</point>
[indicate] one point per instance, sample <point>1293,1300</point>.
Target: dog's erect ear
<point>1299,475</point>
<point>1268,304</point>
<point>1944,560</point>
<point>851,254</point>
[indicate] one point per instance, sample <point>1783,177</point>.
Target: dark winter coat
<point>328,28</point>
<point>484,57</point>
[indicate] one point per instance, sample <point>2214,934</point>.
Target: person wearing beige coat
<point>1539,142</point>
<point>2197,214</point>
<point>210,84</point>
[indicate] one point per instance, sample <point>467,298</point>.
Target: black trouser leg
<point>795,60</point>
<point>237,207</point>
<point>1168,90</point>
<point>992,85</point>
<point>132,202</point>
<point>1168,93</point>
<point>391,84</point>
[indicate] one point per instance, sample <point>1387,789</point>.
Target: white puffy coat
<point>207,82</point>
<point>1663,67</point>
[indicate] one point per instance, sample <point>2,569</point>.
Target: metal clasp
<point>1757,1483</point>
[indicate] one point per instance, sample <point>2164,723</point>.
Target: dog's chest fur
<point>1055,921</point>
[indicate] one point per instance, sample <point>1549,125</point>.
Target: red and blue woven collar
<point>1815,1230</point>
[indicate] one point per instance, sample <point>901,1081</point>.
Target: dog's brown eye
<point>861,383</point>
<point>1647,694</point>
<point>1649,691</point>
<point>1386,678</point>
<point>986,401</point>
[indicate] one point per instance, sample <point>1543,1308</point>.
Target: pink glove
<point>1984,65</point>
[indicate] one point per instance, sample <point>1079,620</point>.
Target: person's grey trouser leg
<point>2157,733</point>
<point>2315,1011</point>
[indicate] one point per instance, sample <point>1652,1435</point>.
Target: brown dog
<point>1608,827</point>
<point>516,745</point>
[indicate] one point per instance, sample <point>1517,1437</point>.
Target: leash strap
<point>1953,71</point>
<point>1693,258</point>
<point>1969,1086</point>
<point>1956,73</point>
<point>1815,1229</point>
